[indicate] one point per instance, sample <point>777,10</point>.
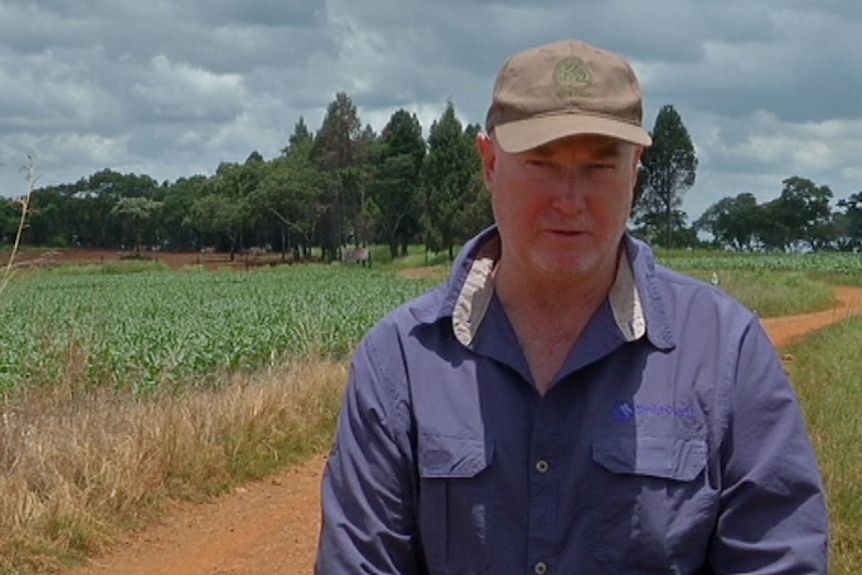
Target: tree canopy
<point>345,185</point>
<point>799,219</point>
<point>669,169</point>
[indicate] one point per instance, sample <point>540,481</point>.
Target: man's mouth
<point>565,233</point>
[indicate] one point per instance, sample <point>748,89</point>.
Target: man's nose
<point>570,190</point>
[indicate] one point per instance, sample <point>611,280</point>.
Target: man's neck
<point>553,296</point>
<point>549,317</point>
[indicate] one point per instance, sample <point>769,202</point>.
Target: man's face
<point>561,208</point>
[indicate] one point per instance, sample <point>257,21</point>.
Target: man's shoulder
<point>438,303</point>
<point>426,308</point>
<point>677,301</point>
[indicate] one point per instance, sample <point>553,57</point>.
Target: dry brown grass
<point>78,468</point>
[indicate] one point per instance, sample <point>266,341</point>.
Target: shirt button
<point>542,466</point>
<point>540,568</point>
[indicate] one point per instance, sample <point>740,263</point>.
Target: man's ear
<point>485,146</point>
<point>637,156</point>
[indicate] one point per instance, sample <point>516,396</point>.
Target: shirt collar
<point>637,306</point>
<point>477,290</point>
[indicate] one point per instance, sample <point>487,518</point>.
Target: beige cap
<point>567,88</point>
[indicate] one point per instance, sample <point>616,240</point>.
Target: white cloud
<point>86,148</point>
<point>176,91</point>
<point>767,90</point>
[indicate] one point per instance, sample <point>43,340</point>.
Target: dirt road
<point>271,526</point>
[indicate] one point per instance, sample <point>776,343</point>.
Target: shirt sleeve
<point>772,516</point>
<point>368,521</point>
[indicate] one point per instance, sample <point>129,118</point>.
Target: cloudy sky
<point>768,89</point>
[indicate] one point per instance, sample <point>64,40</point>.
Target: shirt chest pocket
<point>653,508</point>
<point>455,503</point>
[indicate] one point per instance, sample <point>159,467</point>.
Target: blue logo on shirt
<point>626,411</point>
<point>623,411</point>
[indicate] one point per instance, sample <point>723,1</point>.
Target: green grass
<point>416,257</point>
<point>771,293</point>
<point>825,372</point>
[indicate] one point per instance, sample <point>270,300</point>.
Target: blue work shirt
<point>670,442</point>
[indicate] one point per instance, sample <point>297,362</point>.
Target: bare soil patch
<point>271,526</point>
<point>784,330</point>
<point>175,260</point>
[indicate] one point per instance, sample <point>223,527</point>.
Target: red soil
<point>176,260</point>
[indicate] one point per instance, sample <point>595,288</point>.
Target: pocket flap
<point>452,457</point>
<point>665,457</point>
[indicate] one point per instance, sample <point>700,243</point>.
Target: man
<point>563,404</point>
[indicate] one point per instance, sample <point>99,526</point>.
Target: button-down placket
<point>543,493</point>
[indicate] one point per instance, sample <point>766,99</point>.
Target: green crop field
<point>143,329</point>
<point>838,264</point>
<point>135,327</point>
<point>157,327</point>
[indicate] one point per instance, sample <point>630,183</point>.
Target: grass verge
<point>825,372</point>
<point>772,293</point>
<point>80,468</point>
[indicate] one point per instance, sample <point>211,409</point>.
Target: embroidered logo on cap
<point>572,77</point>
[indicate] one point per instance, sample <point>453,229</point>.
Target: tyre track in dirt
<point>267,527</point>
<point>270,527</point>
<point>784,330</point>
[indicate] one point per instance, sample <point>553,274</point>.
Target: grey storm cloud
<point>173,88</point>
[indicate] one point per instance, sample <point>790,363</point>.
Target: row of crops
<point>842,263</point>
<point>145,329</point>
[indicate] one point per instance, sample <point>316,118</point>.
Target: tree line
<point>346,185</point>
<point>799,219</point>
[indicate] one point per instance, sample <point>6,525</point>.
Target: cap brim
<point>523,135</point>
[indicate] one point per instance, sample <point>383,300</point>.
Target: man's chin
<point>565,265</point>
